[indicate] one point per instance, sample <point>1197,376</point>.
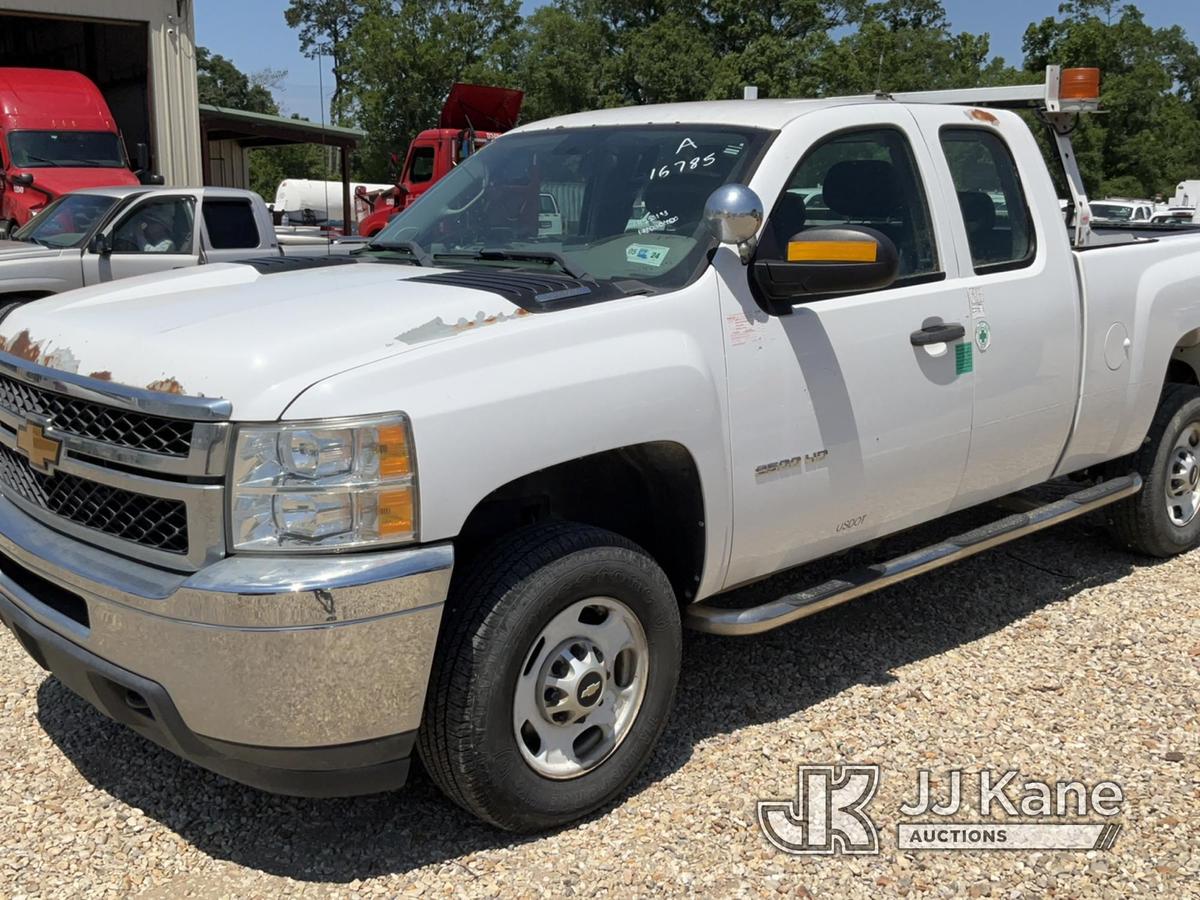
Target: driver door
<point>844,425</point>
<point>154,235</point>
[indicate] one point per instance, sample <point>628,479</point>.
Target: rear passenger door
<point>231,230</point>
<point>1018,276</point>
<point>841,428</point>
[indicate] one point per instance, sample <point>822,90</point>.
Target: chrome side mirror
<point>734,213</point>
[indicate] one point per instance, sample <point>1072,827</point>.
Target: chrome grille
<point>72,415</point>
<point>157,523</point>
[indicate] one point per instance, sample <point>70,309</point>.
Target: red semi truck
<point>56,136</point>
<point>473,115</point>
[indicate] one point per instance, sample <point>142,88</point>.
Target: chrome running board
<point>789,608</point>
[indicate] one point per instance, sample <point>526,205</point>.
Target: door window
<point>994,211</point>
<point>421,167</point>
<point>162,225</point>
<point>230,224</point>
<point>866,178</point>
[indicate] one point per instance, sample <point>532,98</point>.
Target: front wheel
<point>554,676</point>
<point>1162,519</point>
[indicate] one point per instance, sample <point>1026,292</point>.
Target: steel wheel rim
<point>1183,476</point>
<point>580,688</point>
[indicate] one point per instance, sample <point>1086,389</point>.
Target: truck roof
<point>52,98</point>
<point>138,189</point>
<point>770,114</point>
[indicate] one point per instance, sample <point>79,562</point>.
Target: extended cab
<point>460,495</point>
<point>56,136</point>
<point>102,234</point>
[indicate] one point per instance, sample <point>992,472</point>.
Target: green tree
<point>1150,137</point>
<point>221,83</point>
<point>565,51</point>
<point>324,27</point>
<point>402,58</point>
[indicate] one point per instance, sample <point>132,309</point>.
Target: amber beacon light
<point>1079,84</point>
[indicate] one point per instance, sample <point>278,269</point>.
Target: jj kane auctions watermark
<point>829,813</point>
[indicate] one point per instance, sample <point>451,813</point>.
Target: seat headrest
<point>862,189</point>
<point>787,219</point>
<point>978,210</point>
<point>790,212</point>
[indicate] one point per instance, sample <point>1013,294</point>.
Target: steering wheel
<point>483,186</point>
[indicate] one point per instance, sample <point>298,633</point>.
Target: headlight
<point>323,485</point>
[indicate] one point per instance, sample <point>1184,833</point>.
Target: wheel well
<point>24,296</point>
<point>649,493</point>
<point>1184,366</point>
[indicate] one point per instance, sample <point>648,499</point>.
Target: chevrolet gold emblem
<point>43,452</point>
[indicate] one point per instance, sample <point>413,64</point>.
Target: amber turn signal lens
<point>396,512</point>
<point>394,460</point>
<point>1079,84</point>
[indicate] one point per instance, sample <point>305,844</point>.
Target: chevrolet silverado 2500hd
<point>458,496</point>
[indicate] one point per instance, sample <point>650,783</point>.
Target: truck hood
<point>257,340</point>
<point>22,250</point>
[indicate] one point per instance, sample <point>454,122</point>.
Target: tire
<point>496,656</point>
<point>1153,521</point>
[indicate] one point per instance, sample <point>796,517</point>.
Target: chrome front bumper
<point>269,652</point>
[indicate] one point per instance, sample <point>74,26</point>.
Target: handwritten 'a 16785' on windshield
<point>680,166</point>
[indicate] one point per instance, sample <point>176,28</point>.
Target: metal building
<point>140,53</point>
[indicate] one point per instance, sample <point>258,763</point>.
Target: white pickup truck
<point>102,234</point>
<point>459,499</point>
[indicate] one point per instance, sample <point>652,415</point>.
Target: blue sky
<point>255,36</point>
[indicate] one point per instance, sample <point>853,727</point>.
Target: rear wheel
<point>1161,520</point>
<point>555,673</point>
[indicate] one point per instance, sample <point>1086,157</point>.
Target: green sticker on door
<point>963,361</point>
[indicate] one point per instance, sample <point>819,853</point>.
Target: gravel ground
<point>1057,656</point>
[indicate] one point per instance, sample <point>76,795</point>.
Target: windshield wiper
<point>412,248</point>
<point>544,256</point>
<point>42,159</point>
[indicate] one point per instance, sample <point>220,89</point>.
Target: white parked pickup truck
<point>101,234</point>
<point>460,496</point>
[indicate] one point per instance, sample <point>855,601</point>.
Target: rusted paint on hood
<point>438,328</point>
<point>23,346</point>
<point>166,386</point>
<point>63,359</point>
<point>42,353</point>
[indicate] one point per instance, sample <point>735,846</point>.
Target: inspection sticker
<point>646,254</point>
<point>963,361</point>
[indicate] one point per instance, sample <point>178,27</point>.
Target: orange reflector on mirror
<point>832,251</point>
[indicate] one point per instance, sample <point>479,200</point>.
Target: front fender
<point>503,400</point>
<point>41,274</point>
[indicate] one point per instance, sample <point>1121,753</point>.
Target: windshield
<point>39,149</point>
<point>67,222</point>
<point>626,202</point>
<point>1111,211</point>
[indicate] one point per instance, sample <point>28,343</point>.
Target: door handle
<point>937,334</point>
